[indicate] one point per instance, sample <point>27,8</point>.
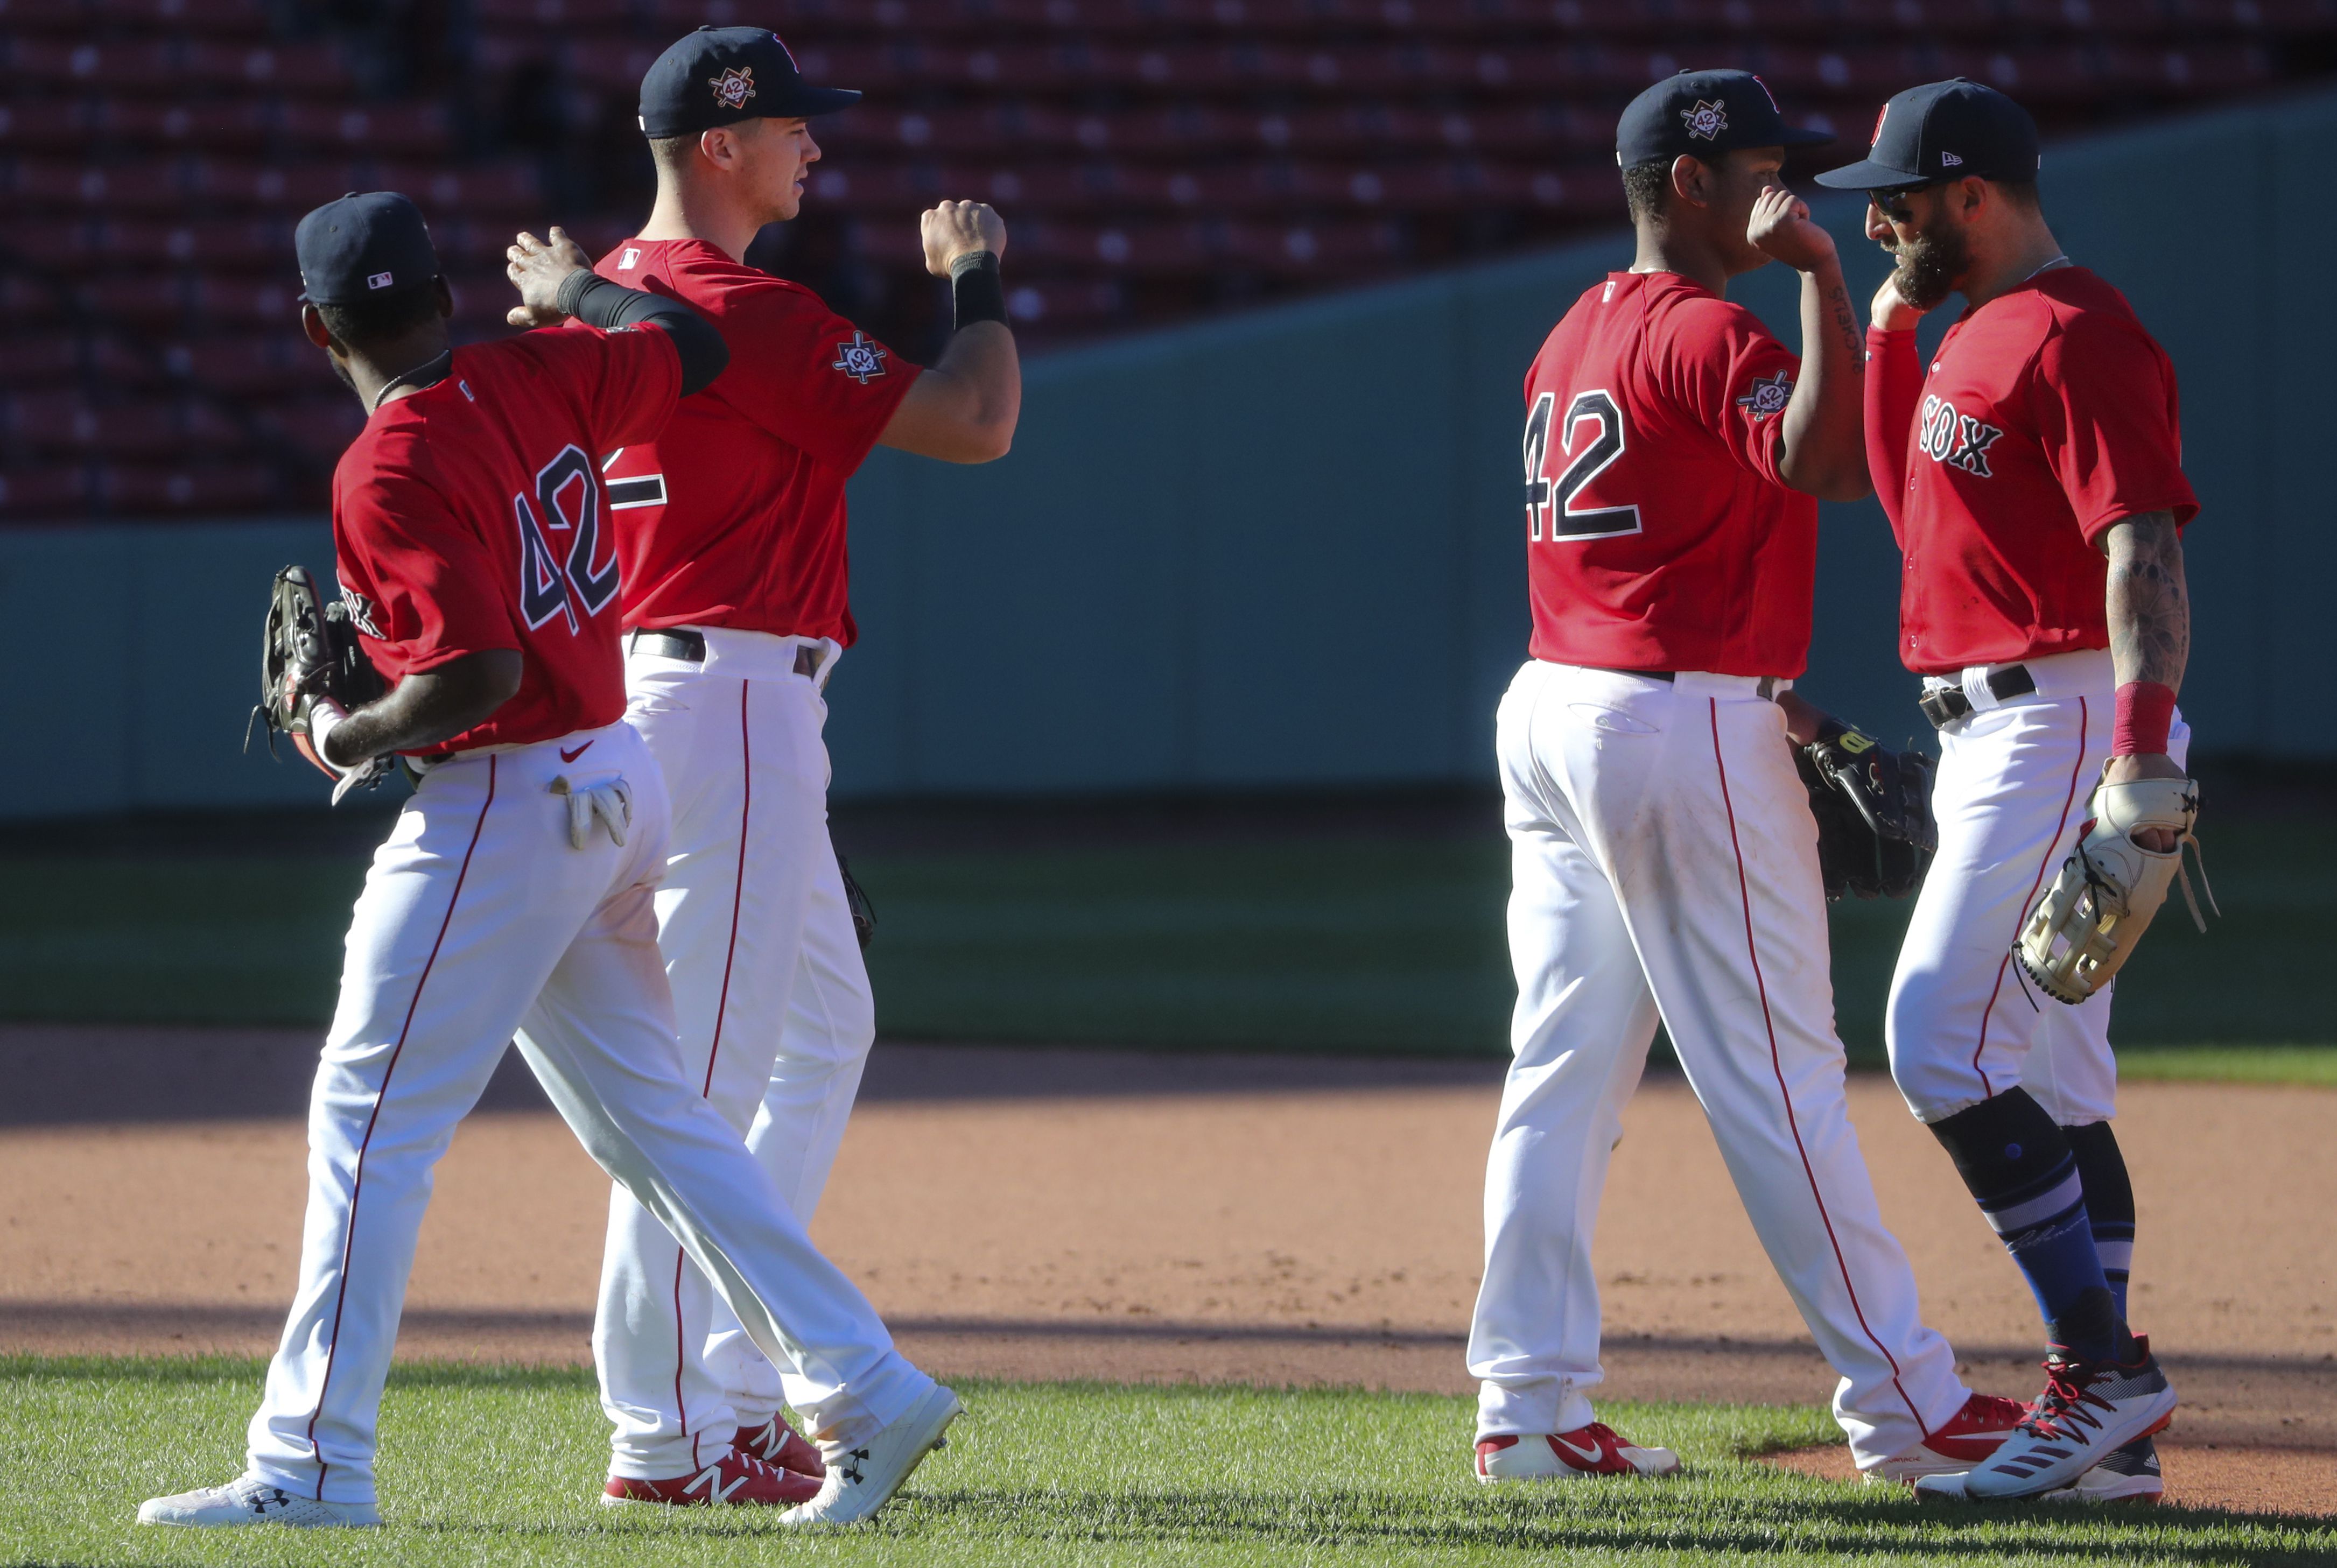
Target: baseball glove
<point>2097,910</point>
<point>862,906</point>
<point>1873,806</point>
<point>308,654</point>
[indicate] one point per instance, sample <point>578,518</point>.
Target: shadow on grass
<point>1632,1517</point>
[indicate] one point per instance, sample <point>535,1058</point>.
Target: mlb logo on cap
<point>361,246</point>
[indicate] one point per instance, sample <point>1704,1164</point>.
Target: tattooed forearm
<point>2149,608</point>
<point>1845,323</point>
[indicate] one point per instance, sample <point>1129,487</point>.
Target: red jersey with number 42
<point>1659,535</point>
<point>469,516</point>
<point>735,516</point>
<point>2048,416</point>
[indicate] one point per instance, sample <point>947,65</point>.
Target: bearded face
<point>1931,265</point>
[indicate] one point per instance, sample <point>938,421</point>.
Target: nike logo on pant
<point>579,751</point>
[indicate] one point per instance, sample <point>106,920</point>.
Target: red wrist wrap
<point>2145,711</point>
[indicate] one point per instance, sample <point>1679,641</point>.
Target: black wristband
<point>975,292</point>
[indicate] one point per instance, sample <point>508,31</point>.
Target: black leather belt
<point>1948,703</point>
<point>1767,688</point>
<point>685,644</point>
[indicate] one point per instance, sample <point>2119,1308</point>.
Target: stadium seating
<point>1155,159</point>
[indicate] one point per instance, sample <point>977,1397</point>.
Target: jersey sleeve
<point>627,380</point>
<point>431,582</point>
<point>2103,399</point>
<point>806,373</point>
<point>1895,383</point>
<point>1727,374</point>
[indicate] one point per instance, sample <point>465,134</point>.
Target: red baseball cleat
<point>777,1444</point>
<point>735,1480</point>
<point>1974,1433</point>
<point>1592,1450</point>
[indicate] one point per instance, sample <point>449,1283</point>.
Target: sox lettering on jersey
<point>1957,439</point>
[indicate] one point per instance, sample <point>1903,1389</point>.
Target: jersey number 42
<point>554,582</point>
<point>1550,498</point>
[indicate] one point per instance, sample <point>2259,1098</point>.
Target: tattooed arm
<point>2149,608</point>
<point>1825,424</point>
<point>2151,630</point>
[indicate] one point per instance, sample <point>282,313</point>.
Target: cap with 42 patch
<point>721,75</point>
<point>1703,113</point>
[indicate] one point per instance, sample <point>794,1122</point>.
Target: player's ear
<point>1691,181</point>
<point>312,326</point>
<point>718,146</point>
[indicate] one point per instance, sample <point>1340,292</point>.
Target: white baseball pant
<point>775,1021</point>
<point>1665,865</point>
<point>2015,777</point>
<point>479,918</point>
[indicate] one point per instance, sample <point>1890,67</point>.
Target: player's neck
<point>2031,248</point>
<point>395,372</point>
<point>684,213</point>
<point>1667,251</point>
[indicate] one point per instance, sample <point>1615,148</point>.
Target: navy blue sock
<point>2109,1201</point>
<point>2018,1164</point>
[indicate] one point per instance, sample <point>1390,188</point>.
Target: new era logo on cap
<point>379,281</point>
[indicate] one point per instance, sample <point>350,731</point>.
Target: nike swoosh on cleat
<point>579,751</point>
<point>1590,1456</point>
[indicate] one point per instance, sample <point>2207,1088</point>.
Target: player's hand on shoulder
<point>537,268</point>
<point>955,228</point>
<point>1781,226</point>
<point>1891,310</point>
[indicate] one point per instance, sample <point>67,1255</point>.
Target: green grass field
<point>1366,944</point>
<point>492,1467</point>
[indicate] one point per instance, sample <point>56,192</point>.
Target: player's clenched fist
<point>956,229</point>
<point>1781,226</point>
<point>537,268</point>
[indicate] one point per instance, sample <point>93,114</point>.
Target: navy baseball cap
<point>721,75</point>
<point>364,247</point>
<point>1702,113</point>
<point>1943,130</point>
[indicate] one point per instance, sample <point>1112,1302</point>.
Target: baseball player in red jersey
<point>2033,476</point>
<point>1664,853</point>
<point>731,528</point>
<point>513,896</point>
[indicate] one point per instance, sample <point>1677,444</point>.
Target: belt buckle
<point>1944,706</point>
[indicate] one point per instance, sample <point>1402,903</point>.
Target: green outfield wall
<point>1284,549</point>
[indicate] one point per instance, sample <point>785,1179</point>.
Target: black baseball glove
<point>1873,806</point>
<point>308,654</point>
<point>862,906</point>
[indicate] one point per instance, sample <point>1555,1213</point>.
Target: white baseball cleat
<point>2128,1476</point>
<point>2089,1410</point>
<point>251,1500</point>
<point>863,1477</point>
<point>1592,1450</point>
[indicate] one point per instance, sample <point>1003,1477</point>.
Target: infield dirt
<point>1053,1214</point>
